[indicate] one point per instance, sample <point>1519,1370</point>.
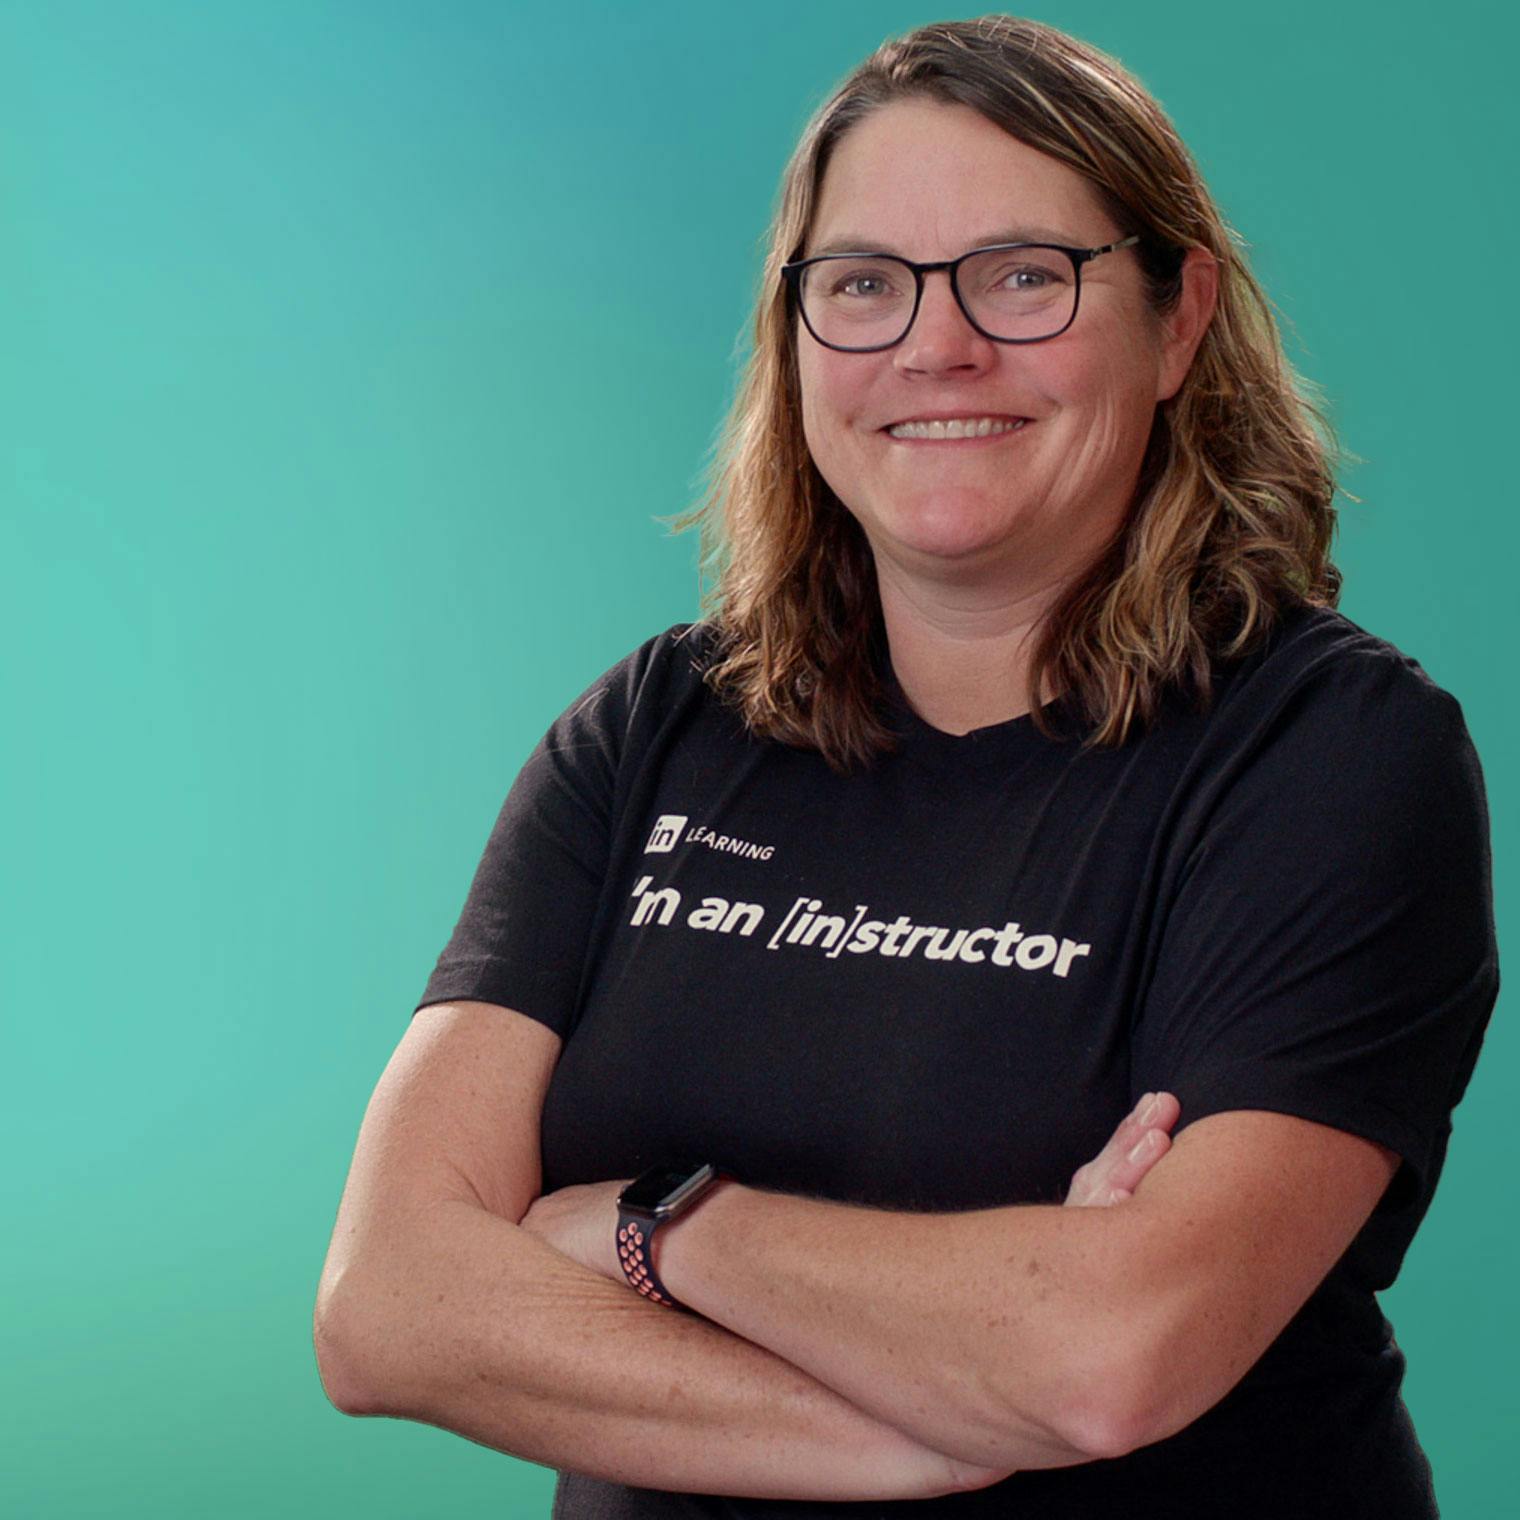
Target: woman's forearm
<point>984,1334</point>
<point>476,1326</point>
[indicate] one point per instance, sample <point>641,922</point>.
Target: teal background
<point>350,353</point>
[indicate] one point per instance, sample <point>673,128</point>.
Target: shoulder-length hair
<point>1232,517</point>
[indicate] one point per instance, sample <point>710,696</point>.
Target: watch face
<point>665,1190</point>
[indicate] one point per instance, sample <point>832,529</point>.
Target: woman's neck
<point>961,655</point>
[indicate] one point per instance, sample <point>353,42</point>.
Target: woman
<point>1021,771</point>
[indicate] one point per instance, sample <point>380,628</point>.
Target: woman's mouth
<point>954,429</point>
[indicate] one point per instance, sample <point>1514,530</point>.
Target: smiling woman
<point>1021,510</point>
<point>788,1116</point>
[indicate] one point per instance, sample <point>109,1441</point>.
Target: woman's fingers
<point>1139,1142</point>
<point>1130,1166</point>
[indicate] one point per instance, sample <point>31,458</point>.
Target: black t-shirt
<point>939,983</point>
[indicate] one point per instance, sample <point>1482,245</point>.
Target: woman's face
<point>1026,508</point>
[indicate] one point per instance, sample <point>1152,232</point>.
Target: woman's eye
<point>863,285</point>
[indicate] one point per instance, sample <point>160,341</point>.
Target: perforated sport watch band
<point>655,1198</point>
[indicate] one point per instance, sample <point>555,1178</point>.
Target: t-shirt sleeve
<point>522,937</point>
<point>1328,950</point>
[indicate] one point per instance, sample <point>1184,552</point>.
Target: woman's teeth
<point>969,427</point>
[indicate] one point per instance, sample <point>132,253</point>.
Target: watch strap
<point>635,1245</point>
<point>636,1253</point>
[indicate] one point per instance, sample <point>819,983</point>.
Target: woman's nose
<point>941,338</point>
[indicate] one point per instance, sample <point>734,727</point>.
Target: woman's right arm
<point>435,1306</point>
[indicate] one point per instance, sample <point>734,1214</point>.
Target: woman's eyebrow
<point>852,243</point>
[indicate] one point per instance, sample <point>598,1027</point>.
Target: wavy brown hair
<point>1232,518</point>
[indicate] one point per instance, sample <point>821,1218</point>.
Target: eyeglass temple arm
<point>1092,253</point>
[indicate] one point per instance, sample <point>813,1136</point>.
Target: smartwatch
<point>652,1199</point>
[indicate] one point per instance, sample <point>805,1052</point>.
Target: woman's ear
<point>1183,327</point>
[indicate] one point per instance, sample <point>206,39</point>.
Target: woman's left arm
<point>984,1333</point>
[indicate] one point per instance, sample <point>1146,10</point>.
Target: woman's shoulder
<point>1318,656</point>
<point>1326,701</point>
<point>665,666</point>
<point>663,674</point>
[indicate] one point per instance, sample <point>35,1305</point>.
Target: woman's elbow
<point>1083,1409</point>
<point>339,1341</point>
<point>1119,1387</point>
<point>1147,1390</point>
<point>334,1364</point>
<point>1104,1415</point>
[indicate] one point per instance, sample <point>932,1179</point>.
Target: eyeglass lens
<point>862,302</point>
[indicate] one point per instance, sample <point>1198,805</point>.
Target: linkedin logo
<point>666,833</point>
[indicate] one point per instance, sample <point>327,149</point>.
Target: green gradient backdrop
<point>334,440</point>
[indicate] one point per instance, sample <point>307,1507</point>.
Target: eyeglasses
<point>1011,292</point>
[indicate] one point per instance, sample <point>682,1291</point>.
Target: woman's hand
<point>580,1222</point>
<point>1140,1141</point>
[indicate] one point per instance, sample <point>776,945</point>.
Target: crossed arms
<point>977,1344</point>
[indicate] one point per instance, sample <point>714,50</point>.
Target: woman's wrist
<point>675,1243</point>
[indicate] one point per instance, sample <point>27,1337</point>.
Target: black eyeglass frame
<point>791,274</point>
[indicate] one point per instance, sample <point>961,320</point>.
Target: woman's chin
<point>951,543</point>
